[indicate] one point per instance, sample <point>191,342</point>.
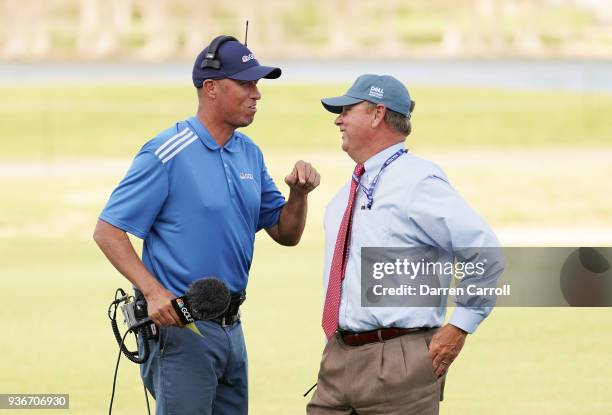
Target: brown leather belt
<point>365,337</point>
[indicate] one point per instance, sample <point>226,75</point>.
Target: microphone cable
<point>209,298</point>
<point>122,349</point>
<point>133,356</point>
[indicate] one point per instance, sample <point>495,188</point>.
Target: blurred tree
<point>159,29</point>
<point>102,25</point>
<point>168,29</point>
<point>26,25</point>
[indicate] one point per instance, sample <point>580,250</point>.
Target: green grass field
<point>113,121</point>
<point>529,160</point>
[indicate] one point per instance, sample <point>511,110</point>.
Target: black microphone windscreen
<point>208,298</point>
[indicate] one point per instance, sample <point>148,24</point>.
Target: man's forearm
<point>302,180</point>
<point>116,246</point>
<point>293,218</point>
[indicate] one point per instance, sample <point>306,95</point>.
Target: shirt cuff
<point>271,218</point>
<point>123,226</point>
<point>467,319</point>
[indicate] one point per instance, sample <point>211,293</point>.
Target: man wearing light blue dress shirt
<point>390,360</point>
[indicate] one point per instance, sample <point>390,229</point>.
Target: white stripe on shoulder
<point>175,144</point>
<point>170,140</point>
<point>178,150</point>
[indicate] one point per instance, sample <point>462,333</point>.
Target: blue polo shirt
<point>196,205</point>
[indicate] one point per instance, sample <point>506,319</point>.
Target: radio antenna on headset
<point>246,33</point>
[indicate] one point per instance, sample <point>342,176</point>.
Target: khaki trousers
<point>392,377</point>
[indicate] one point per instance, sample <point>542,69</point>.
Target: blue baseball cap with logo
<point>236,62</point>
<point>377,89</point>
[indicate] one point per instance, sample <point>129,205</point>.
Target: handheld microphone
<point>208,297</point>
<point>205,299</point>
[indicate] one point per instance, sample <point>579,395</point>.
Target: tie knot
<point>359,170</point>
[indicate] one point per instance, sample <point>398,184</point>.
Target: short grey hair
<point>398,122</point>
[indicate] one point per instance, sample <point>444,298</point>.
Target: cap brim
<point>255,73</point>
<point>335,104</point>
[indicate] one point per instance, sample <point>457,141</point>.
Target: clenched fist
<point>303,178</point>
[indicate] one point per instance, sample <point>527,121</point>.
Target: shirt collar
<point>374,163</point>
<point>232,145</point>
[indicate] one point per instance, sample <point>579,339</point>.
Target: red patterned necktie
<point>338,265</point>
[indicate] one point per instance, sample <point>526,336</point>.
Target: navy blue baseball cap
<point>377,89</point>
<point>237,62</point>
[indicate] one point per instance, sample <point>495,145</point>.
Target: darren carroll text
<point>410,290</point>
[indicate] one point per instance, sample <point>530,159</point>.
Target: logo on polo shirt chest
<point>376,92</point>
<point>246,176</point>
<point>248,57</point>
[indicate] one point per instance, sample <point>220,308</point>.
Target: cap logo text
<point>248,57</point>
<point>376,92</point>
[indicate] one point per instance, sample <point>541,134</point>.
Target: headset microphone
<point>246,33</point>
<point>211,60</point>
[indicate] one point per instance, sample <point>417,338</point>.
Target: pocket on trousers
<point>420,382</point>
<point>427,359</point>
<point>162,339</point>
<point>326,349</point>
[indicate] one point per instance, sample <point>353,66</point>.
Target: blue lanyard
<point>369,192</point>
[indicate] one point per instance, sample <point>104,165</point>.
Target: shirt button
<point>225,164</point>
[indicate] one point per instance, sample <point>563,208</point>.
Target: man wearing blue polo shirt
<point>196,194</point>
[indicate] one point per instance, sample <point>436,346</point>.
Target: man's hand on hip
<point>160,308</point>
<point>303,178</point>
<point>445,346</point>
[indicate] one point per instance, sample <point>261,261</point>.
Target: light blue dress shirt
<point>414,205</point>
